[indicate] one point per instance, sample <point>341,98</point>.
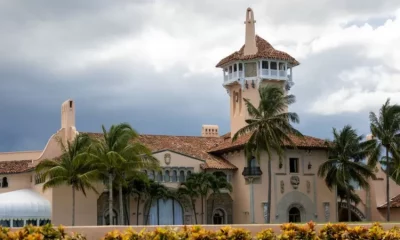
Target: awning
<point>24,204</point>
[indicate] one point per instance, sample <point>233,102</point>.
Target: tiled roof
<point>394,203</point>
<point>300,142</point>
<point>264,50</point>
<point>15,166</point>
<point>191,146</point>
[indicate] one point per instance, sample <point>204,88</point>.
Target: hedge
<point>288,231</point>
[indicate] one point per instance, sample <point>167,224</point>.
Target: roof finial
<point>250,47</point>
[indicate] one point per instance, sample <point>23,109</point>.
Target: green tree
<point>217,182</point>
<point>345,153</point>
<point>190,189</point>
<point>139,186</point>
<point>385,130</point>
<point>270,127</point>
<point>116,154</point>
<point>72,169</point>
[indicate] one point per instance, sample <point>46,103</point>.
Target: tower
<point>68,120</point>
<point>254,65</point>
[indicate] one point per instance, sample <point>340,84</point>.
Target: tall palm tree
<point>116,153</point>
<point>72,169</point>
<point>190,189</point>
<point>385,130</point>
<point>345,153</point>
<point>218,182</point>
<point>202,183</point>
<point>270,127</point>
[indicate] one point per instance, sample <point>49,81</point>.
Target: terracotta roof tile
<point>15,166</point>
<point>264,50</point>
<point>394,203</point>
<point>301,142</point>
<point>191,146</point>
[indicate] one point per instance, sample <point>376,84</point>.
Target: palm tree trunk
<point>194,211</point>
<point>121,205</point>
<point>269,191</point>
<point>148,211</point>
<point>137,210</point>
<point>202,209</point>
<point>73,206</point>
<point>387,185</point>
<point>212,208</point>
<point>348,204</point>
<point>110,198</point>
<point>127,208</point>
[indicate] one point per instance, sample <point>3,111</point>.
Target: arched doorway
<point>294,215</point>
<point>219,217</point>
<point>165,212</point>
<point>114,218</point>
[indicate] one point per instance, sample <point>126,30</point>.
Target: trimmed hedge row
<point>288,231</point>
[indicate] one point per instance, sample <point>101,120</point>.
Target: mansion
<point>298,194</point>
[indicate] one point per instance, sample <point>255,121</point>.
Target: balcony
<point>233,76</point>
<point>252,172</point>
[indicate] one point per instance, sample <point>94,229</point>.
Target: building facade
<point>298,194</point>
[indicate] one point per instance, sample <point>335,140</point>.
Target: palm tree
<point>270,127</point>
<point>155,192</point>
<point>117,153</point>
<point>190,190</point>
<point>345,153</point>
<point>218,182</point>
<point>139,186</point>
<point>385,131</point>
<point>71,169</point>
<point>342,192</point>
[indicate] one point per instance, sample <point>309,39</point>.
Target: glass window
<point>166,176</point>
<point>181,176</point>
<point>281,66</point>
<point>174,176</point>
<point>165,212</point>
<point>240,67</point>
<point>274,65</point>
<point>252,162</point>
<point>188,174</point>
<point>160,177</point>
<point>18,223</point>
<point>31,222</point>
<point>294,165</point>
<point>264,64</point>
<point>4,182</point>
<point>5,223</point>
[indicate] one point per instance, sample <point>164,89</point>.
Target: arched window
<point>114,218</point>
<point>166,176</point>
<point>159,177</point>
<point>219,217</point>
<point>181,176</point>
<point>165,212</point>
<point>188,174</point>
<point>151,175</point>
<point>174,176</point>
<point>294,215</point>
<point>4,182</point>
<point>252,163</point>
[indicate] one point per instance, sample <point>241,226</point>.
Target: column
<point>252,217</point>
<point>265,211</point>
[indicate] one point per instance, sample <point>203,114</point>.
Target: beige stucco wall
<point>318,192</point>
<point>17,156</point>
<point>16,181</point>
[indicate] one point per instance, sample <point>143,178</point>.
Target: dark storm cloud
<point>41,41</point>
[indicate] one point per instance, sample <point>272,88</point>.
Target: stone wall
<point>222,201</point>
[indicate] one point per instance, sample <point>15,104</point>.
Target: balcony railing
<point>233,76</point>
<point>252,172</point>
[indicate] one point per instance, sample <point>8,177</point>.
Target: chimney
<point>250,46</point>
<point>68,119</point>
<point>210,131</point>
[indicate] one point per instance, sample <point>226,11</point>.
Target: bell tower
<point>254,65</point>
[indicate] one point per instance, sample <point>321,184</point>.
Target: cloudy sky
<point>152,63</point>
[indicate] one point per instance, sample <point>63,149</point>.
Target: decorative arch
<point>295,213</point>
<point>356,214</point>
<point>219,216</point>
<point>106,220</point>
<point>299,200</point>
<point>221,201</point>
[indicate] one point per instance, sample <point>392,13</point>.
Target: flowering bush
<point>266,234</point>
<point>38,233</point>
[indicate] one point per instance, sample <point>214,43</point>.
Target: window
<point>18,223</point>
<point>274,65</point>
<point>151,175</point>
<point>159,177</point>
<point>39,178</point>
<point>294,165</point>
<point>166,176</point>
<point>264,64</point>
<point>181,176</point>
<point>281,66</point>
<point>294,215</point>
<point>240,67</point>
<point>252,163</point>
<point>174,176</point>
<point>234,67</point>
<point>114,218</point>
<point>4,182</point>
<point>165,212</point>
<point>188,174</point>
